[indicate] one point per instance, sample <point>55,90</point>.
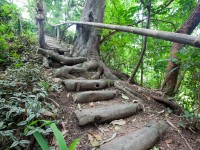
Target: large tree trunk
<point>88,39</point>
<point>40,18</point>
<point>172,70</point>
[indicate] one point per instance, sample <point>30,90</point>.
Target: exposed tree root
<point>63,60</point>
<point>108,113</point>
<point>120,75</point>
<point>71,72</point>
<point>78,85</point>
<point>172,105</point>
<point>93,96</point>
<point>142,139</point>
<point>107,72</point>
<point>45,63</point>
<point>125,91</point>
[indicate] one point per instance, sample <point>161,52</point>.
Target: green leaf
<point>24,142</point>
<point>59,137</point>
<point>43,144</point>
<point>74,144</point>
<point>21,123</point>
<point>14,144</point>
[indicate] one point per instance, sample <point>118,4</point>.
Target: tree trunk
<point>40,18</point>
<point>172,70</point>
<point>88,39</point>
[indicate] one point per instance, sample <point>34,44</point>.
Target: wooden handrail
<point>168,36</point>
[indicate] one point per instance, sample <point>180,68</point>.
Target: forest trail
<point>115,115</point>
<point>53,43</point>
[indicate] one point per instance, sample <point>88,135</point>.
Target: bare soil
<point>152,110</point>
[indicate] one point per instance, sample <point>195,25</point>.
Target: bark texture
<point>87,42</point>
<point>104,114</point>
<point>40,18</point>
<point>172,70</point>
<point>142,139</point>
<point>88,39</point>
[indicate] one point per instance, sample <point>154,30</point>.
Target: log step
<point>108,113</point>
<point>142,139</point>
<point>80,85</point>
<point>93,96</point>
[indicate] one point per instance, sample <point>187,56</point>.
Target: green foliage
<point>43,144</point>
<point>59,137</point>
<point>14,47</point>
<point>20,103</point>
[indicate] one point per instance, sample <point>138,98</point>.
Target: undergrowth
<point>22,96</point>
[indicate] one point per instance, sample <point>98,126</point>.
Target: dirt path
<point>104,122</point>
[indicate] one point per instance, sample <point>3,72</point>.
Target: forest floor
<point>176,137</point>
<point>152,110</point>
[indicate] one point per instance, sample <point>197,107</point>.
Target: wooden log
<point>78,85</point>
<point>63,60</point>
<point>105,114</point>
<point>93,96</point>
<point>142,139</point>
<point>168,36</point>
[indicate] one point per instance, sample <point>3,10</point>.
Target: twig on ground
<point>55,103</point>
<point>180,133</point>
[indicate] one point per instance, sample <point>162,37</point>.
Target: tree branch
<point>144,46</point>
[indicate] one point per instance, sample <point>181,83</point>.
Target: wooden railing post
<point>58,32</point>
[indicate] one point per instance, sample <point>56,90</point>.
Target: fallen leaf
<point>90,137</point>
<point>94,143</point>
<point>120,122</point>
<point>91,104</point>
<point>79,107</point>
<point>125,97</point>
<point>48,113</point>
<point>98,137</point>
<point>169,141</point>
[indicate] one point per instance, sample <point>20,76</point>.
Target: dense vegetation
<point>23,88</point>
